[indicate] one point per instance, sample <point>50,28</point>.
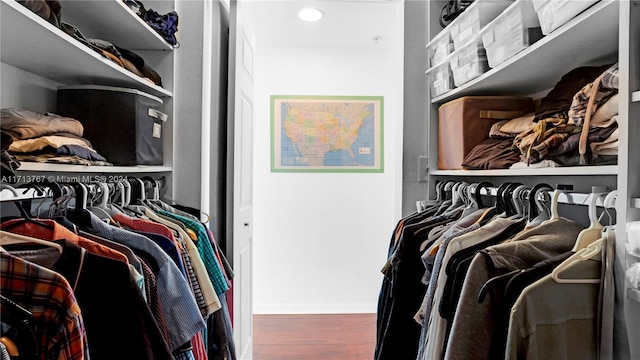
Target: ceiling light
<point>310,14</point>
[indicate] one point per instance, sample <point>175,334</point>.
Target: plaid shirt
<point>207,253</point>
<point>49,297</point>
<point>608,87</point>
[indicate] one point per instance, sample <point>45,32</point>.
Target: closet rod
<point>570,198</point>
<point>39,191</point>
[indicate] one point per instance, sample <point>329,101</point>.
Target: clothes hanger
<point>507,197</point>
<point>500,205</point>
<point>518,200</point>
<point>101,209</point>
<point>609,202</point>
<point>10,188</point>
<point>26,215</point>
<point>472,204</point>
<point>594,231</point>
<point>555,215</point>
<point>478,193</point>
<point>591,251</point>
<point>9,238</point>
<point>537,211</point>
<point>457,200</point>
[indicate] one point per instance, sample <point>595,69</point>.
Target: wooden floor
<point>314,337</point>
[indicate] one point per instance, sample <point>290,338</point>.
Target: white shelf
<point>540,66</point>
<point>558,171</point>
<point>67,60</point>
<point>113,21</point>
<point>43,167</point>
<point>635,96</point>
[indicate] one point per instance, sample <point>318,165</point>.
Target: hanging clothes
<point>150,249</point>
<point>48,296</point>
<point>477,324</point>
<point>182,313</point>
<point>402,288</point>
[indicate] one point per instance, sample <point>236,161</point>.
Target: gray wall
<point>415,103</point>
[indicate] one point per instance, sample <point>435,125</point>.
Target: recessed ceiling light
<point>310,14</point>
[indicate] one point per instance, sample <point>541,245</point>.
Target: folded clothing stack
<point>47,137</point>
<point>559,132</point>
<point>51,10</point>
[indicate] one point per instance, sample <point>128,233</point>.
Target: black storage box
<point>123,125</point>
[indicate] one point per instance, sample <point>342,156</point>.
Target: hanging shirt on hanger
<point>211,301</point>
<point>539,330</point>
<point>49,297</point>
<point>434,326</point>
<point>178,305</point>
<point>206,252</point>
<point>112,307</point>
<point>474,324</point>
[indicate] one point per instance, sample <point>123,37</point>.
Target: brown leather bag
<point>465,122</point>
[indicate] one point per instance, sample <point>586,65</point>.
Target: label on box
<point>157,131</point>
<point>465,34</point>
<point>438,83</point>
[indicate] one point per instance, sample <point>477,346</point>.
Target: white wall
<point>321,239</point>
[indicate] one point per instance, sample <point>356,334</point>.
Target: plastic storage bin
<point>124,125</point>
<point>467,26</point>
<point>465,122</point>
<point>511,32</point>
<point>633,234</point>
<point>554,13</point>
<point>468,62</point>
<point>439,48</point>
<point>440,79</point>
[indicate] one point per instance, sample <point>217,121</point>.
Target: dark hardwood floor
<point>314,337</point>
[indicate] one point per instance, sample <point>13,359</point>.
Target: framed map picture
<point>327,133</point>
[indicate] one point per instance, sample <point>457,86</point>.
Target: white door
<point>241,51</point>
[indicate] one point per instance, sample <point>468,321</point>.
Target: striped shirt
<point>50,299</point>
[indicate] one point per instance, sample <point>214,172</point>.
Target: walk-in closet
<point>388,179</point>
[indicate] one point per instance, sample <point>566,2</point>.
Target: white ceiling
<point>345,22</point>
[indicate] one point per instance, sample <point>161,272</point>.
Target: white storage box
<point>468,62</point>
<point>554,13</point>
<point>511,32</point>
<point>467,26</point>
<point>440,78</point>
<point>439,48</point>
<point>633,235</point>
